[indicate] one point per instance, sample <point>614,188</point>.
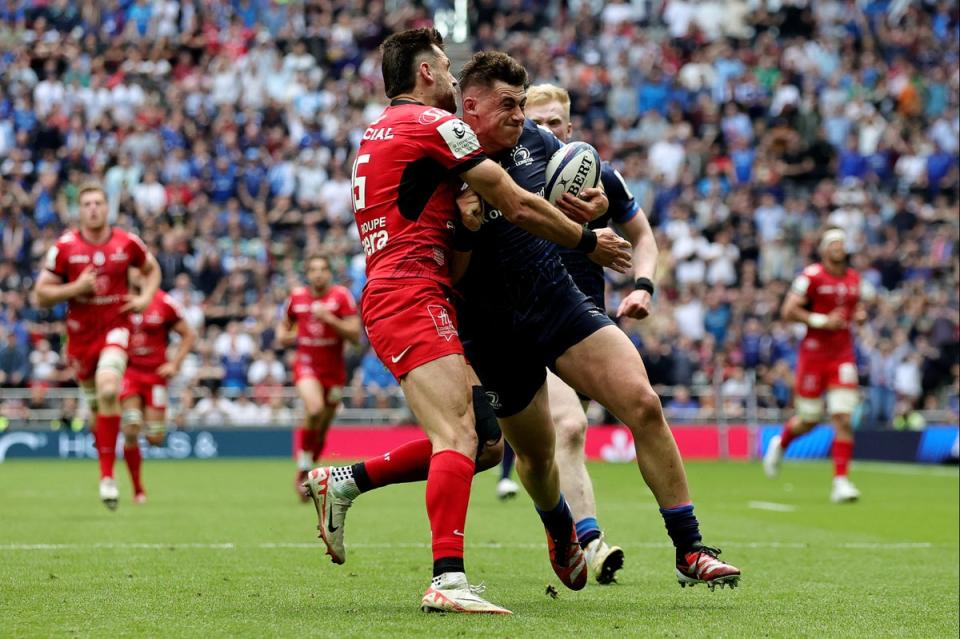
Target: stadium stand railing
<point>63,407</point>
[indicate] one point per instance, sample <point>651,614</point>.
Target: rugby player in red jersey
<point>409,167</point>
<point>319,318</point>
<point>826,297</point>
<point>143,394</point>
<point>88,269</point>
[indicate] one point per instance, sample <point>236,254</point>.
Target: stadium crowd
<point>224,131</point>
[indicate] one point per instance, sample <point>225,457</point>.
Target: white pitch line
<point>912,470</point>
<point>771,545</point>
<point>904,545</point>
<point>769,505</point>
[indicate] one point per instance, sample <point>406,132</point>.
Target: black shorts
<point>511,350</point>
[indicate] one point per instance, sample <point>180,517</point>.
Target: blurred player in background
<point>319,318</point>
<point>409,167</point>
<point>521,314</point>
<point>549,106</point>
<point>143,394</point>
<point>827,298</point>
<point>88,269</point>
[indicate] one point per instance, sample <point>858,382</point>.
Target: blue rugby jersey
<point>506,257</point>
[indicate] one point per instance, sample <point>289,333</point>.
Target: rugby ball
<point>576,166</point>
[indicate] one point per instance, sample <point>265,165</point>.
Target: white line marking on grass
<point>121,546</point>
<point>759,545</point>
<point>906,469</point>
<point>769,505</point>
<point>904,545</point>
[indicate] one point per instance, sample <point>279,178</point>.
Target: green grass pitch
<point>224,550</point>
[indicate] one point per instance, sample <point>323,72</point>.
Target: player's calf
<point>131,421</point>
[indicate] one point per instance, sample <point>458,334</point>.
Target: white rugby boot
<point>450,592</point>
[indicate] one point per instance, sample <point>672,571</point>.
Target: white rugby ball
<point>576,166</point>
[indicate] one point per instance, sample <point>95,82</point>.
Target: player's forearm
<point>286,336</point>
<point>528,211</point>
<point>186,345</point>
<point>151,280</point>
<point>52,294</point>
<point>794,313</point>
<point>347,328</point>
<point>535,215</point>
<point>645,250</point>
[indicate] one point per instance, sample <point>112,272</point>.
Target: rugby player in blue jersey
<point>521,313</point>
<point>549,106</point>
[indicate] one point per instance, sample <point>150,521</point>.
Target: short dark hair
<point>486,67</point>
<point>400,52</point>
<point>319,255</point>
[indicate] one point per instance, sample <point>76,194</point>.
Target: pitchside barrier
<point>935,444</point>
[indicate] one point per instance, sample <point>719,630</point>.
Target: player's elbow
<point>43,298</point>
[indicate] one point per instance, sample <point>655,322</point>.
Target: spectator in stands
<point>682,407</point>
<point>14,361</point>
<point>213,409</point>
<point>373,385</point>
<point>247,413</point>
<point>264,368</point>
<point>43,365</point>
<point>883,366</point>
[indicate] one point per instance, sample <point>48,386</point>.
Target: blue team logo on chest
<point>521,156</point>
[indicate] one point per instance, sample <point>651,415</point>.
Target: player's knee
<point>463,440</point>
<point>108,394</point>
<point>313,410</point>
<point>130,420</point>
<point>841,402</point>
<point>810,411</point>
<point>645,407</point>
<point>114,362</point>
<point>571,430</point>
<point>459,430</point>
<point>156,432</point>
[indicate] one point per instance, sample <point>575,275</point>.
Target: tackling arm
<point>537,216</point>
<point>528,211</point>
